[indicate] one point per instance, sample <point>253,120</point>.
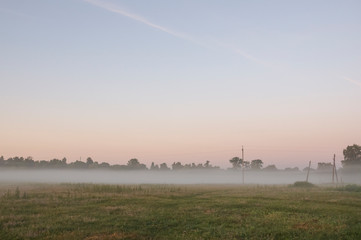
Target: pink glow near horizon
<point>115,80</point>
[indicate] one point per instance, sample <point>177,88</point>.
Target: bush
<point>303,184</point>
<point>351,188</point>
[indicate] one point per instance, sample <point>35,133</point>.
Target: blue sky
<point>186,81</point>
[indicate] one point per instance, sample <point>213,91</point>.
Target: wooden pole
<point>242,165</point>
<point>333,169</point>
<point>308,172</point>
<point>336,175</point>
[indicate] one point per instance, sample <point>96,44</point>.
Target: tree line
<point>132,164</point>
<point>352,160</point>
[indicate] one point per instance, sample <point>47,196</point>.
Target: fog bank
<point>167,177</point>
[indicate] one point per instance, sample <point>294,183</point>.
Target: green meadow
<point>87,211</point>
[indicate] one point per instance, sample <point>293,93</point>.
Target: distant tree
<point>236,162</point>
<point>29,162</point>
<point>163,166</point>
<point>142,167</point>
<point>15,162</point>
<point>177,166</point>
<point>2,161</point>
<point>270,168</point>
<point>189,166</point>
<point>295,169</point>
<point>207,164</point>
<point>42,163</point>
<point>89,161</point>
<point>104,165</point>
<point>96,165</point>
<point>306,169</point>
<point>56,163</point>
<point>256,164</point>
<point>322,166</point>
<point>246,164</point>
<point>352,155</point>
<point>115,166</point>
<point>154,166</point>
<point>134,164</point>
<point>78,164</point>
<point>64,161</point>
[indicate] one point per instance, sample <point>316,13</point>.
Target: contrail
<point>116,9</point>
<point>352,81</point>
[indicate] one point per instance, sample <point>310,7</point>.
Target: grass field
<point>86,211</point>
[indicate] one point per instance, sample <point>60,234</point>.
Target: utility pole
<point>242,165</point>
<point>308,172</point>
<point>333,169</point>
<point>334,172</point>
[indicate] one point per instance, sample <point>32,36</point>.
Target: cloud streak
<point>355,82</point>
<point>118,10</point>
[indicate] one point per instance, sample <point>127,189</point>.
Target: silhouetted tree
<point>154,166</point>
<point>256,164</point>
<point>207,164</point>
<point>306,169</point>
<point>78,164</point>
<point>29,162</point>
<point>115,166</point>
<point>89,161</point>
<point>294,169</point>
<point>352,155</point>
<point>177,166</point>
<point>189,166</point>
<point>42,164</point>
<point>134,164</point>
<point>270,168</point>
<point>104,165</point>
<point>236,162</point>
<point>246,164</point>
<point>56,163</point>
<point>15,162</point>
<point>163,166</point>
<point>322,166</point>
<point>96,165</point>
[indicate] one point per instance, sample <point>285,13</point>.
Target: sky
<point>188,81</point>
